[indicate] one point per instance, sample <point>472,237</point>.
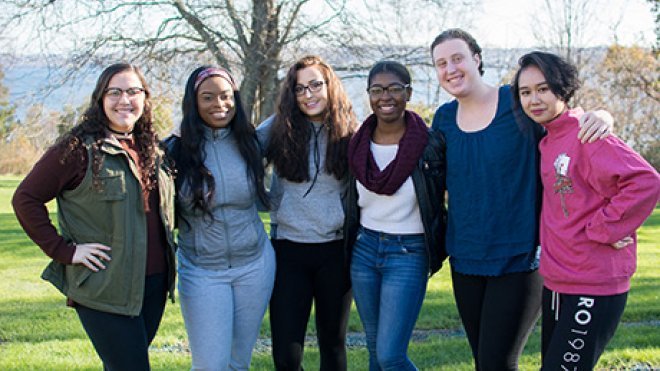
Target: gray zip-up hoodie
<point>235,236</point>
<point>311,211</point>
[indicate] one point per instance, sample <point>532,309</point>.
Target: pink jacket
<point>593,195</point>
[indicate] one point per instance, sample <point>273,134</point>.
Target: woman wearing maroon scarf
<point>395,216</point>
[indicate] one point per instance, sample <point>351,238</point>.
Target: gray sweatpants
<point>223,310</point>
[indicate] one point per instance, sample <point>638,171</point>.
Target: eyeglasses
<point>116,93</point>
<point>313,87</point>
<point>395,90</point>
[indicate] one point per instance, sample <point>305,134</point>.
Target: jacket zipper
<point>423,196</point>
<point>223,195</point>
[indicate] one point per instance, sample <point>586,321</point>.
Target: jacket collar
<point>565,123</point>
<point>111,145</point>
<point>212,134</point>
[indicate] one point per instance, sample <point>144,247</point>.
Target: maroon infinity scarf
<point>411,146</point>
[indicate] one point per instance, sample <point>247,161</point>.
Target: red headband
<point>214,71</point>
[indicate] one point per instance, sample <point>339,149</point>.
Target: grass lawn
<point>38,332</point>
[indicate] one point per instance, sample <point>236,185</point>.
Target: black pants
<point>498,314</point>
<point>576,328</point>
<point>122,342</point>
<point>305,273</point>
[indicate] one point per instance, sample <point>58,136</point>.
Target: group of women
<point>356,211</point>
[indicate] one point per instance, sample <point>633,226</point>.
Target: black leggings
<point>576,328</point>
<point>122,342</point>
<point>305,273</point>
<point>498,314</point>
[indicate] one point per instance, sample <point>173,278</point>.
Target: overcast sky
<point>508,23</point>
<point>494,23</point>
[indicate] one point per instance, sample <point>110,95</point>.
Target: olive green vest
<point>114,216</point>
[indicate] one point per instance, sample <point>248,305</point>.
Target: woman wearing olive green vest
<point>113,257</point>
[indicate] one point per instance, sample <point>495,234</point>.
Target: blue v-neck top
<point>494,190</point>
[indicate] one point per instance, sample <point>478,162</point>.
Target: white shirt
<point>394,214</point>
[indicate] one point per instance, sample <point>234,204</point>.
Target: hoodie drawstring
<point>317,158</point>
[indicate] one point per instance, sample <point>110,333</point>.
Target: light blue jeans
<point>389,275</point>
<point>223,310</point>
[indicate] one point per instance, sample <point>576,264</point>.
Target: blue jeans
<point>389,275</point>
<point>223,309</point>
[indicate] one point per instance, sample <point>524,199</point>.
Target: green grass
<point>38,332</point>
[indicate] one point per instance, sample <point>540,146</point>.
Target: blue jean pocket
<point>413,248</point>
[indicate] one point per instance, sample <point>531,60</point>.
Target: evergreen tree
<point>7,110</point>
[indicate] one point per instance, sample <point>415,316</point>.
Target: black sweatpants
<point>310,272</point>
<point>122,342</point>
<point>576,328</point>
<point>498,314</point>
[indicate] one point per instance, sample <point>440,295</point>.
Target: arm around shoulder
<point>263,133</point>
<point>595,125</point>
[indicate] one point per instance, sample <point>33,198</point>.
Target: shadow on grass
<point>643,304</point>
<point>9,184</point>
<point>439,310</point>
<point>39,320</point>
<point>15,244</point>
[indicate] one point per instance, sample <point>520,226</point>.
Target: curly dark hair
<point>457,33</point>
<point>561,76</point>
<point>288,148</point>
<point>94,123</point>
<point>188,153</point>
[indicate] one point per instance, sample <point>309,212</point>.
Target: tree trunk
<point>262,62</point>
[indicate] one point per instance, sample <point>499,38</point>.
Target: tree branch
<point>200,28</point>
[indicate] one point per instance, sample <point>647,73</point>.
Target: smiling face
<point>389,107</point>
<point>457,68</point>
<point>536,98</point>
<point>312,104</point>
<point>215,102</point>
<point>124,110</point>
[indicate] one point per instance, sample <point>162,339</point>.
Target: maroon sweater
<point>49,178</point>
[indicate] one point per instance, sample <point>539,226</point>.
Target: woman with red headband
<point>226,262</point>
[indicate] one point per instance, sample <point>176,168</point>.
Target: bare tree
<point>223,32</point>
<point>250,37</point>
<point>565,24</point>
<point>246,37</point>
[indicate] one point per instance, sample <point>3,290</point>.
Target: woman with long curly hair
<point>226,262</point>
<point>114,254</point>
<point>306,141</point>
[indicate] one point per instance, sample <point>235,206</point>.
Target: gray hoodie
<point>298,215</point>
<point>235,236</point>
